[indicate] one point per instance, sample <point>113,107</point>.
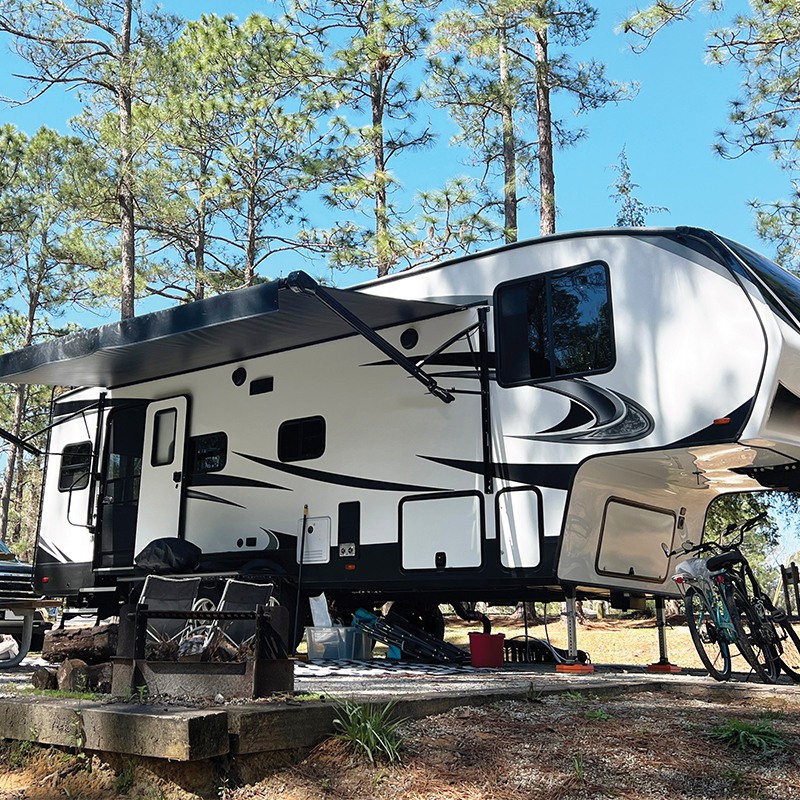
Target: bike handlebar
<point>746,525</point>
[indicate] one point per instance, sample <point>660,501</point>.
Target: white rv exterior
<point>604,387</point>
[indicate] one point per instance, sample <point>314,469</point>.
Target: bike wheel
<point>714,653</point>
<point>789,647</point>
<point>755,637</point>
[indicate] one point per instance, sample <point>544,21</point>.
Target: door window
<point>164,432</point>
<point>76,460</point>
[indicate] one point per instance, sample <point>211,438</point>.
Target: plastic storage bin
<point>342,643</point>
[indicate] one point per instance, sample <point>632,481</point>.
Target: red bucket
<point>486,649</point>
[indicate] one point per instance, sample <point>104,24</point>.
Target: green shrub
<point>741,735</point>
<point>369,728</point>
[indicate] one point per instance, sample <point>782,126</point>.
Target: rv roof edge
<point>240,325</point>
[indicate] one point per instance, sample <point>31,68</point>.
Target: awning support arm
<point>302,283</point>
<point>443,347</point>
<point>9,437</point>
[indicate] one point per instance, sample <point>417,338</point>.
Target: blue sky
<point>668,130</point>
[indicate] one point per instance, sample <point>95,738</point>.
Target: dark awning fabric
<point>249,322</point>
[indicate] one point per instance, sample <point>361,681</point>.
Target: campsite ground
<point>574,746</point>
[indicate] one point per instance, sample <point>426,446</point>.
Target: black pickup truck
<point>16,583</point>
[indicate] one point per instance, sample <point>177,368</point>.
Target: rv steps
<point>398,632</point>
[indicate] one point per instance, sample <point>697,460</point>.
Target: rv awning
<point>249,322</point>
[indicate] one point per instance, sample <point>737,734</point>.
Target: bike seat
<point>716,563</point>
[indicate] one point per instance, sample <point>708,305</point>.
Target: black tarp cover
<point>226,328</point>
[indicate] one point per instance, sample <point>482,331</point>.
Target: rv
<point>531,422</point>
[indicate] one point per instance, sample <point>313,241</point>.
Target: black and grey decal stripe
<point>216,479</point>
<point>340,480</point>
<point>552,476</point>
<point>193,494</point>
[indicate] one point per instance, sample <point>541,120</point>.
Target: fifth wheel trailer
<point>530,422</point>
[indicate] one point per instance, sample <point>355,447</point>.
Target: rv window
<point>554,325</point>
<point>209,452</point>
<point>164,429</point>
<point>76,460</point>
<point>301,439</point>
<point>783,284</point>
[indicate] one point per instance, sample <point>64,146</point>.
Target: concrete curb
<point>181,734</point>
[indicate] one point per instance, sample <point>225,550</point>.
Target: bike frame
<point>695,574</point>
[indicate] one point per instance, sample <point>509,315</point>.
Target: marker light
<point>349,566</point>
<point>722,421</point>
<point>720,579</point>
<point>45,579</point>
<point>678,579</point>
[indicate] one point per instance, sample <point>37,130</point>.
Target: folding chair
<point>168,594</point>
<point>242,596</point>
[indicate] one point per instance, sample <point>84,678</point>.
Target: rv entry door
<point>161,491</point>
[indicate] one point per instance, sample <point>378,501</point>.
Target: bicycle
<point>776,633</point>
<point>725,605</point>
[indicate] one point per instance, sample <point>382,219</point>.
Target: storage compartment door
<point>441,532</point>
<point>161,491</point>
<point>631,539</point>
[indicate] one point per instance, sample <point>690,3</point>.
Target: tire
<point>789,647</point>
<point>714,653</point>
<point>755,637</point>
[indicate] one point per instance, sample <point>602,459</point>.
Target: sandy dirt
<point>575,746</point>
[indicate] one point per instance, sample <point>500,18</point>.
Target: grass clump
<point>600,715</point>
<point>124,781</point>
<point>369,728</point>
<point>748,736</point>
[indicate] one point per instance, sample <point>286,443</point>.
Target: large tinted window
<point>554,325</point>
<point>784,285</point>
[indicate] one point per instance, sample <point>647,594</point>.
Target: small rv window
<point>164,430</point>
<point>554,325</point>
<point>76,460</point>
<point>209,452</point>
<point>301,439</point>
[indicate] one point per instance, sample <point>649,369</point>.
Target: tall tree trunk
<point>200,239</point>
<point>509,145</point>
<point>250,253</point>
<point>19,497</point>
<point>379,157</point>
<point>11,462</point>
<point>21,394</point>
<point>547,178</point>
<point>126,200</point>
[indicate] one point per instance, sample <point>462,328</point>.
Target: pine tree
<point>765,44</point>
<point>632,213</point>
<point>98,49</point>
<point>494,68</point>
<point>373,44</point>
<point>45,249</point>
